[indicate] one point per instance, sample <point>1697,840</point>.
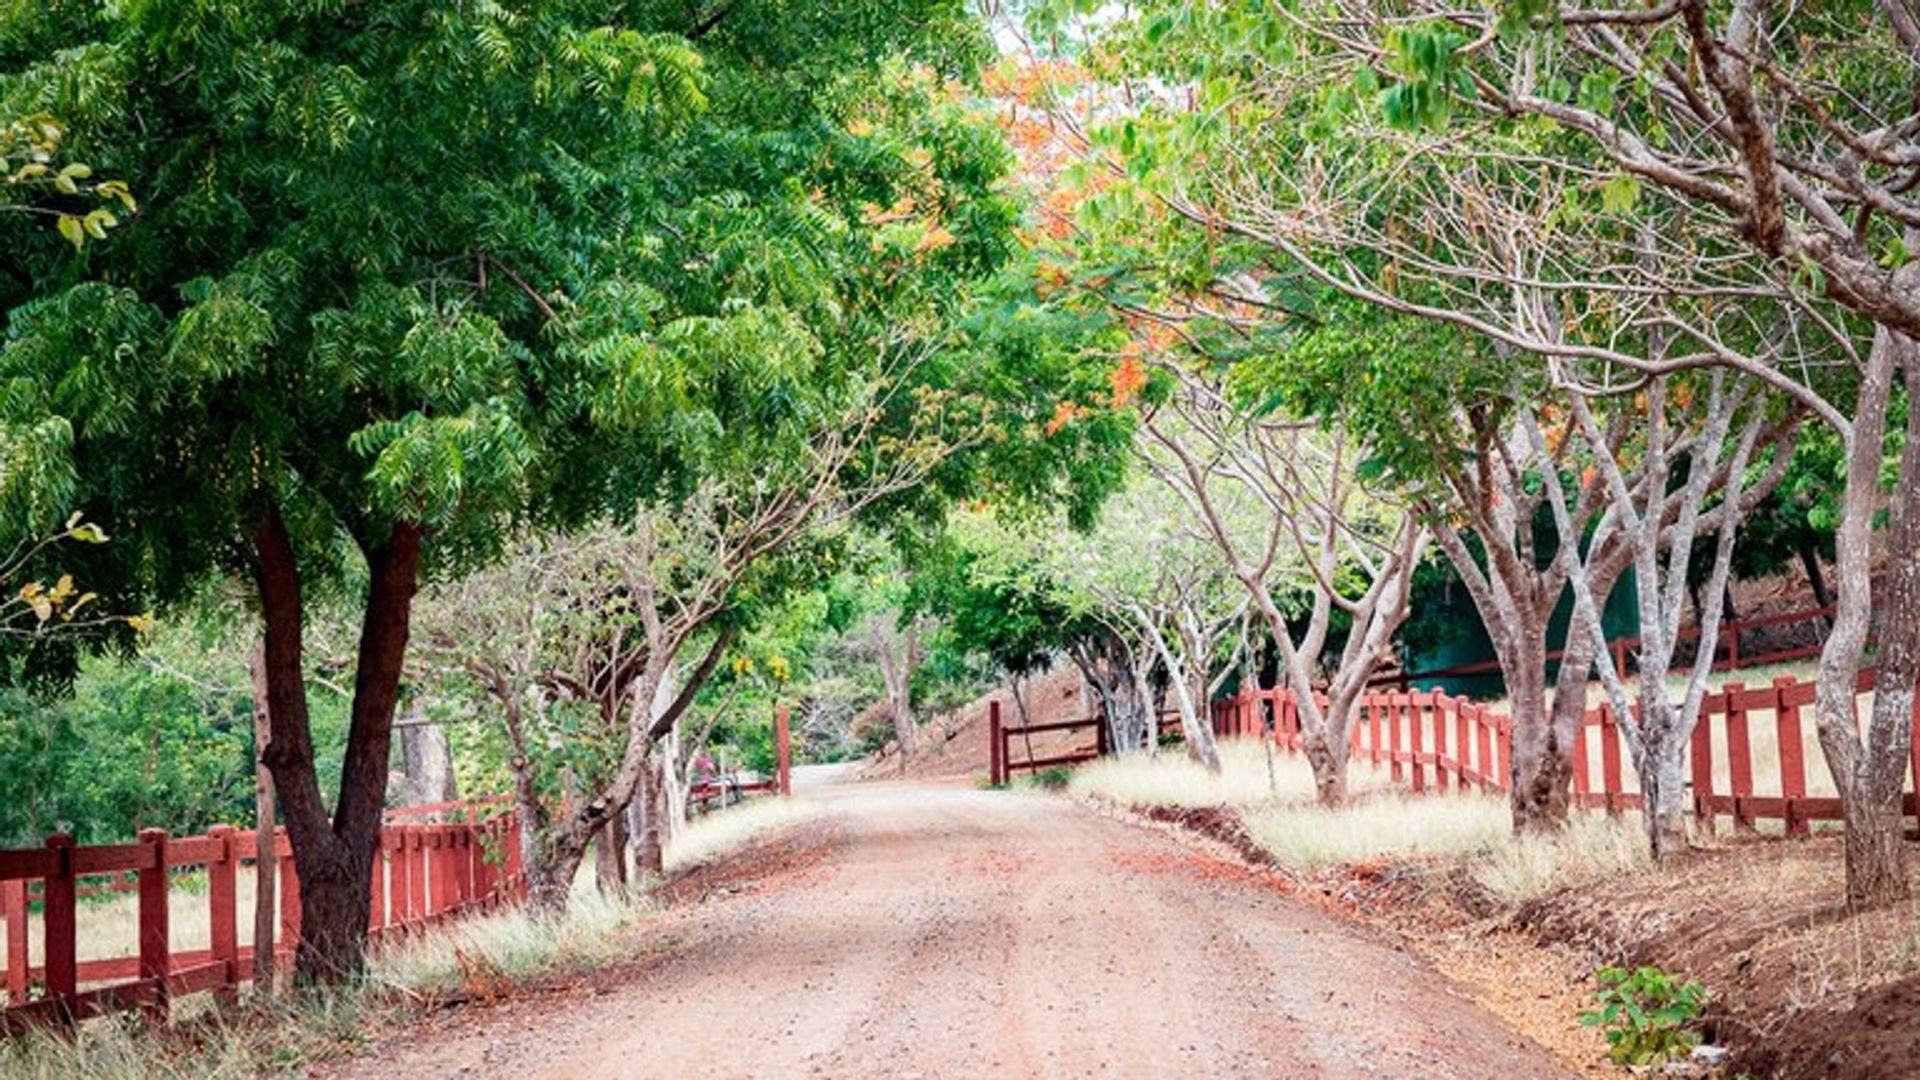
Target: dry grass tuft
<point>1379,822</point>
<point>1172,779</point>
<point>1312,837</point>
<point>707,837</point>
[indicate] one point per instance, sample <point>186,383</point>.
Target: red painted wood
<point>1485,761</point>
<point>1739,757</point>
<point>223,914</point>
<point>59,921</point>
<point>1793,763</point>
<point>13,909</point>
<point>1395,766</point>
<point>1440,759</point>
<point>377,889</point>
<point>1582,785</point>
<point>1462,743</point>
<point>1611,784</point>
<point>289,902</point>
<point>1702,762</point>
<point>783,744</point>
<point>156,951</point>
<point>1503,759</point>
<point>1415,739</point>
<point>1914,753</point>
<point>417,874</point>
<point>996,746</point>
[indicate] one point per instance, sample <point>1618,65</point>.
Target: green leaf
<point>72,228</point>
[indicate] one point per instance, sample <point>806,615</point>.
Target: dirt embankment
<point>955,744</point>
<point>1800,986</point>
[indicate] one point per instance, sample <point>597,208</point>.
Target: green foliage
<point>1648,1015</point>
<point>159,740</point>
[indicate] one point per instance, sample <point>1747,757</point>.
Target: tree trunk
<point>1816,580</point>
<point>552,859</point>
<point>650,846</point>
<point>1875,845</point>
<point>334,856</point>
<point>1328,759</point>
<point>1870,774</point>
<point>610,858</point>
<point>426,758</point>
<point>1663,789</point>
<point>266,920</point>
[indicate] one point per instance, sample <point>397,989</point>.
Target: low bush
<point>1649,1017</point>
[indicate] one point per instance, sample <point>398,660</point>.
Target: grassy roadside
<point>1378,823</point>
<point>481,958</point>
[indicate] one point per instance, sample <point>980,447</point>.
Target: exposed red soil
<point>955,744</point>
<point>1799,986</point>
<point>937,930</point>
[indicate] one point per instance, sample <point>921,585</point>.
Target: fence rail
<point>1000,763</point>
<point>1430,740</point>
<point>422,874</point>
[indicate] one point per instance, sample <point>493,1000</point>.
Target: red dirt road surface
<point>929,931</point>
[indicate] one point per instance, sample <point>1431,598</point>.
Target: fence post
<point>223,913</point>
<point>417,873</point>
<point>156,950</point>
<point>1739,758</point>
<point>1395,767</point>
<point>1439,713</point>
<point>289,898</point>
<point>1914,753</point>
<point>1793,762</point>
<point>1462,748</point>
<point>439,879</point>
<point>1503,746</point>
<point>996,746</point>
<point>1612,786</point>
<point>1582,784</point>
<point>1416,743</point>
<point>377,889</point>
<point>782,736</point>
<point>1703,770</point>
<point>13,909</point>
<point>59,923</point>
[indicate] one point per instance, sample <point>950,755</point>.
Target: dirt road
<point>925,931</point>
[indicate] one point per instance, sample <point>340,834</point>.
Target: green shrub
<point>1052,779</point>
<point>1647,1014</point>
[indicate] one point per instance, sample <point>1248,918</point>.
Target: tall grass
<point>1173,779</point>
<point>1313,837</point>
<point>709,836</point>
<point>1379,821</point>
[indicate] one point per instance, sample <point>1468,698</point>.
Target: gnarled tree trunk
<point>333,856</point>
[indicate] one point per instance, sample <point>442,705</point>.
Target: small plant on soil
<point>1648,1015</point>
<point>1052,779</point>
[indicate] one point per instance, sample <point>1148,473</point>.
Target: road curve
<point>949,932</point>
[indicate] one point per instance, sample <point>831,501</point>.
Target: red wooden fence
<point>423,874</point>
<point>1000,763</point>
<point>1430,740</point>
